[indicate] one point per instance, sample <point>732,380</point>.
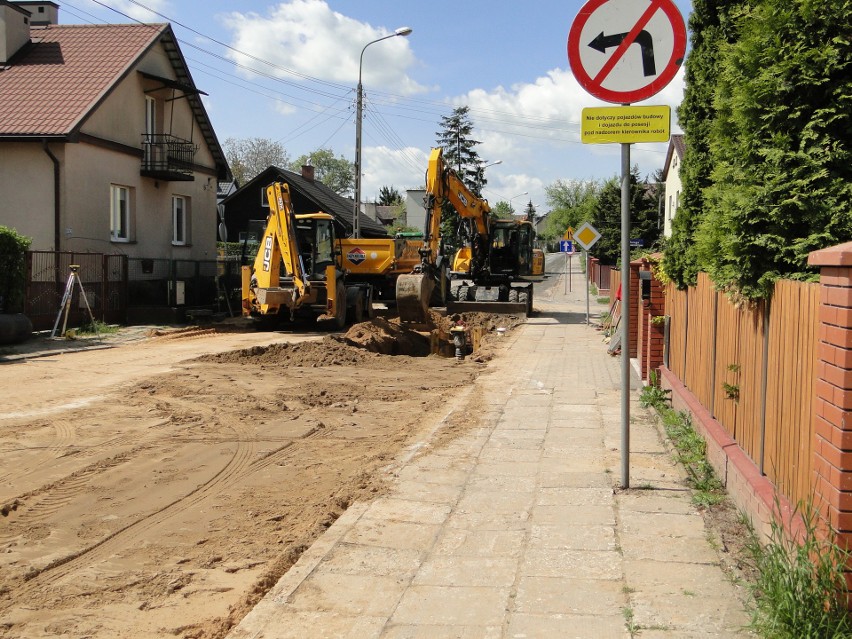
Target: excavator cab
<point>315,237</point>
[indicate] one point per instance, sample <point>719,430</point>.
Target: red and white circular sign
<point>625,51</point>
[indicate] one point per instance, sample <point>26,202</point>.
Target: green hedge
<point>13,248</point>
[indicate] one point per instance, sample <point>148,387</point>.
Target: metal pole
<point>566,273</point>
<point>356,227</point>
<point>625,316</point>
<point>359,116</point>
<point>586,262</point>
<point>570,272</point>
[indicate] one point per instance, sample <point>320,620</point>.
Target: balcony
<point>168,158</point>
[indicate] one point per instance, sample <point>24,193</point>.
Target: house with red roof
<point>105,143</point>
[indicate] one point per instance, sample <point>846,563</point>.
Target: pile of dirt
<point>388,338</point>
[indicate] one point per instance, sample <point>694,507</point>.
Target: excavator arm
<point>278,246</point>
<point>413,291</point>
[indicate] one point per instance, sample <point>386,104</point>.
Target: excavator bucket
<point>412,297</point>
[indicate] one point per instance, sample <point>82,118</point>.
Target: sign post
<point>625,51</point>
<point>587,235</point>
<point>567,247</point>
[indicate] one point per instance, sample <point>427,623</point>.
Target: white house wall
<point>86,218</point>
<point>26,191</point>
<point>674,188</point>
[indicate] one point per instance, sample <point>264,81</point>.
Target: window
<point>150,115</point>
<point>180,220</point>
<point>119,230</point>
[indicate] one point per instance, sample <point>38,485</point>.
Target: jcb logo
<point>267,253</point>
<point>463,198</point>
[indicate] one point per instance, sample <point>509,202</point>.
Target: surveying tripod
<point>65,306</point>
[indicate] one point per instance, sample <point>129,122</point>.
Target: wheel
<point>461,293</point>
<point>339,320</point>
<point>524,297</point>
<point>355,305</point>
<point>513,295</point>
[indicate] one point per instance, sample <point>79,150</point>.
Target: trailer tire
<point>461,293</point>
<point>339,320</point>
<point>513,295</point>
<point>355,305</point>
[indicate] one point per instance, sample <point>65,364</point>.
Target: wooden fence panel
<point>791,385</point>
<point>749,379</point>
<point>700,347</point>
<point>726,365</point>
<point>677,312</point>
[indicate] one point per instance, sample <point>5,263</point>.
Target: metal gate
<point>103,278</point>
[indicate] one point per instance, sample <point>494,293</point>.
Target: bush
<point>13,249</point>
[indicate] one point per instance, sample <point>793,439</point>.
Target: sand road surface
<point>161,487</point>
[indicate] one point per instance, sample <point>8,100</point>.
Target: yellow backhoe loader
<point>296,270</point>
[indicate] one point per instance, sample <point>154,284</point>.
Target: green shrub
<point>13,249</point>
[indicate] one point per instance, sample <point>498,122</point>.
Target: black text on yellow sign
<point>626,124</point>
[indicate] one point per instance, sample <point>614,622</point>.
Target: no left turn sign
<point>625,51</point>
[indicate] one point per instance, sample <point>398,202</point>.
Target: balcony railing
<point>167,157</point>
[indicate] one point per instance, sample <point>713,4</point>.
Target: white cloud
<point>309,39</point>
<point>401,168</point>
<point>135,11</point>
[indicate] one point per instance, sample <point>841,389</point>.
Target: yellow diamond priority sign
<point>586,236</point>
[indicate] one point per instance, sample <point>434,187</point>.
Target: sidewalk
<point>515,529</point>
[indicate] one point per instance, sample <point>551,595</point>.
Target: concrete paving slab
<point>453,606</point>
<point>661,525</point>
<point>481,543</point>
<point>567,627</point>
<point>580,564</point>
<point>457,570</point>
<point>351,595</point>
<point>585,496</point>
<point>393,534</point>
<point>568,596</point>
<point>298,624</point>
<point>431,632</point>
<point>569,515</point>
<point>407,510</point>
<point>574,537</point>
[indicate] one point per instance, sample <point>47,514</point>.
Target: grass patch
<point>800,591</point>
<point>92,328</point>
<point>603,300</point>
<point>690,447</point>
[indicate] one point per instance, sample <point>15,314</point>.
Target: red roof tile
<point>55,81</point>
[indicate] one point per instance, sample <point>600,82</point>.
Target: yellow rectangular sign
<point>626,124</point>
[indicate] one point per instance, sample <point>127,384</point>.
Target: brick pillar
<point>635,309</point>
<point>651,334</point>
<point>832,455</point>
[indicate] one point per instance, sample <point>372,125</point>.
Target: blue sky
<point>504,60</point>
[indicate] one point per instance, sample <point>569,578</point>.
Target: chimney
<point>42,13</point>
<point>14,30</point>
<point>308,172</point>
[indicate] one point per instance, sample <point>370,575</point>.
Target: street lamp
<point>356,227</point>
<point>516,196</point>
<point>492,164</point>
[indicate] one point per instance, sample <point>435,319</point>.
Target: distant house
<point>671,178</point>
<point>246,209</point>
<point>415,209</point>
<point>105,144</point>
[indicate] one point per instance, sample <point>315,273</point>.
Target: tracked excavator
<point>493,272</point>
<point>296,270</point>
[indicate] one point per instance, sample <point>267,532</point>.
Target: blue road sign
<point>566,246</point>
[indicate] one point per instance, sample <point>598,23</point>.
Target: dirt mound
<point>328,351</point>
<point>388,338</point>
<point>367,341</point>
